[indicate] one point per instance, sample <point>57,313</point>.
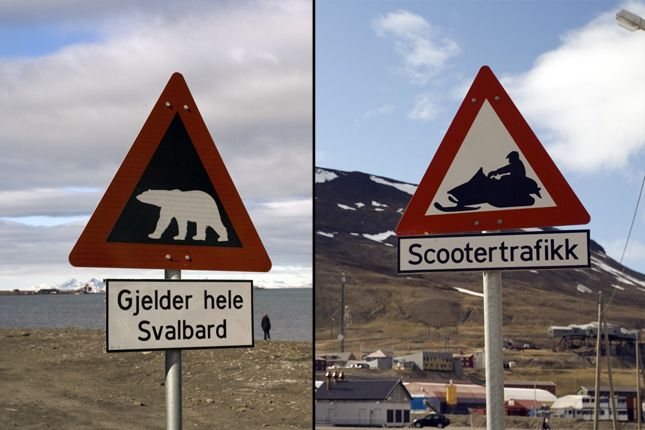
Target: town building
<point>527,401</point>
<point>581,407</point>
<point>431,396</point>
<point>379,360</point>
<point>383,403</point>
<point>540,385</point>
<point>432,361</point>
<point>333,359</point>
<point>467,360</point>
<point>629,394</point>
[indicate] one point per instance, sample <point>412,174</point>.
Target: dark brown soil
<point>64,379</point>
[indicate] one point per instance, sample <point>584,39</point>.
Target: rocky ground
<point>64,379</point>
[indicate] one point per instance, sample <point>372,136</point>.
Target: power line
<point>633,219</point>
<point>622,268</point>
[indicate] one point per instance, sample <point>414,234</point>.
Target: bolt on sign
<point>145,315</point>
<point>172,203</point>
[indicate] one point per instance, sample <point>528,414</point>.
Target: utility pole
<point>612,398</point>
<point>639,403</point>
<point>341,336</point>
<point>596,402</point>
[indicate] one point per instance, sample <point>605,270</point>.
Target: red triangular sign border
<point>568,209</point>
<point>92,248</point>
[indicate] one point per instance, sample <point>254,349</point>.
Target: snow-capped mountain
<point>355,218</point>
<point>91,286</point>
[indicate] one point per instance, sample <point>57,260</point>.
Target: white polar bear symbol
<point>196,206</point>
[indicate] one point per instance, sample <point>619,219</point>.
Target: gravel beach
<point>64,379</point>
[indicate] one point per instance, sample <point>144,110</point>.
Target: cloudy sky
<point>78,79</point>
<point>390,76</point>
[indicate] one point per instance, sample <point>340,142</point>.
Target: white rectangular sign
<point>494,251</point>
<point>145,315</point>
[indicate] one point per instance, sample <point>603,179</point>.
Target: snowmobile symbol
<point>513,188</point>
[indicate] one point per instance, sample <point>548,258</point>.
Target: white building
<point>581,407</point>
<point>362,403</point>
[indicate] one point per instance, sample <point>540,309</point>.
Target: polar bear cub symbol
<point>195,206</point>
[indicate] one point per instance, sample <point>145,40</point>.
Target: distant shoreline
<point>46,292</point>
<point>55,291</point>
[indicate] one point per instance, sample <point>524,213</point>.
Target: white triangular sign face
<point>487,146</point>
<point>490,172</point>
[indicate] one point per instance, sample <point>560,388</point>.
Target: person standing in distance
<point>266,326</point>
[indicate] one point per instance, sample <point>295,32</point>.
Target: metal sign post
<point>173,375</point>
<point>468,187</point>
<point>493,350</point>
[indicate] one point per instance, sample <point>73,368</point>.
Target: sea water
<point>290,311</point>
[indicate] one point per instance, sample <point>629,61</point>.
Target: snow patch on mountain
<point>345,207</point>
<point>469,292</point>
<point>598,265</point>
<point>378,205</point>
<point>583,289</point>
<point>324,176</point>
<point>322,233</point>
<point>359,204</point>
<point>379,237</point>
<point>406,188</point>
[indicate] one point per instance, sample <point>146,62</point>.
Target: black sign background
<point>175,165</point>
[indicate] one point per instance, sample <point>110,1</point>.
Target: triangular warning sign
<point>490,172</point>
<point>172,203</point>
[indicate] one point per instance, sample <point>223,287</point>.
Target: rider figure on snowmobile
<point>515,168</point>
<point>512,189</point>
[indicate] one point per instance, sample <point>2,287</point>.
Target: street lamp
<point>630,21</point>
<point>633,22</point>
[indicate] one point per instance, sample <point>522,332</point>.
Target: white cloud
<point>290,208</point>
<point>424,52</point>
<point>74,113</point>
<point>379,111</point>
<point>425,108</point>
<point>56,202</point>
<point>587,97</point>
<point>286,230</point>
<point>82,12</point>
<point>70,116</point>
<point>32,254</point>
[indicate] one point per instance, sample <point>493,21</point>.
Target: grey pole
<point>173,376</point>
<point>341,336</point>
<point>493,350</point>
<point>639,403</point>
<point>596,401</point>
